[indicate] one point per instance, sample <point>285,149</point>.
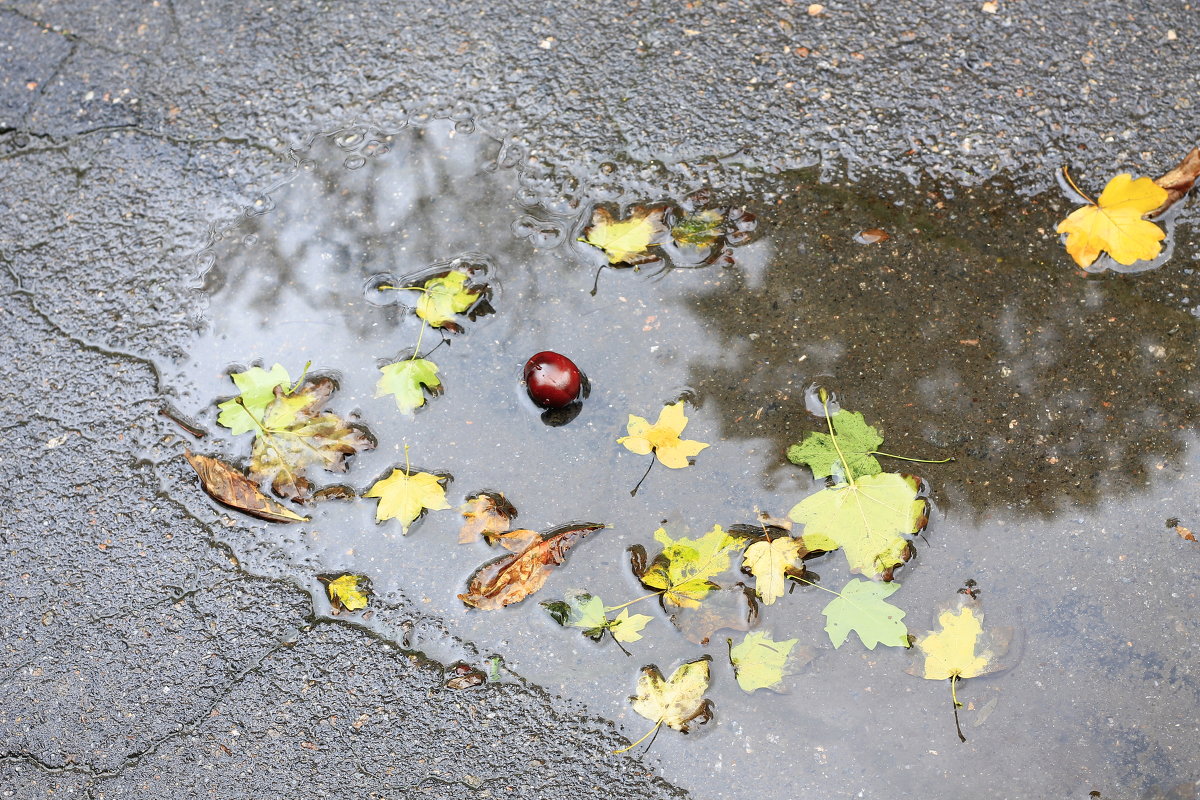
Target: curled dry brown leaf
<point>486,514</point>
<point>1178,181</point>
<point>511,578</point>
<point>227,485</point>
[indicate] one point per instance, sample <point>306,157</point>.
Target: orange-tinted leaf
<point>1116,224</point>
<point>229,486</point>
<point>516,541</point>
<point>510,579</point>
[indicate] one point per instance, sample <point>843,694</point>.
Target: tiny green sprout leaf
<point>628,628</point>
<point>257,386</point>
<point>295,433</point>
<point>444,297</point>
<point>759,661</point>
<point>701,229</point>
<point>869,518</point>
<point>626,241</point>
<point>406,381</point>
<point>682,571</point>
<point>861,607</point>
<point>678,702</point>
<point>856,440</point>
<point>344,593</point>
<point>405,495</point>
<point>770,562</point>
<point>579,610</point>
<point>662,438</point>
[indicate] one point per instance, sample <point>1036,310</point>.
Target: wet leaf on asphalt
<point>771,562</point>
<point>626,241</point>
<point>960,648</point>
<point>345,592</point>
<point>294,435</point>
<point>511,578</point>
<point>444,297</point>
<point>244,413</point>
<point>862,607</point>
<point>677,702</point>
<point>407,381</point>
<point>759,661</point>
<point>662,438</point>
<point>226,484</point>
<point>486,515</point>
<point>406,495</point>
<point>851,454</point>
<point>870,519</point>
<point>586,611</point>
<point>685,567</point>
<point>1116,224</point>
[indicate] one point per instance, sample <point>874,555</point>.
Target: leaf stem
<point>634,492</point>
<point>918,460</point>
<point>407,466</point>
<point>631,602</point>
<point>608,629</point>
<point>833,437</point>
<point>1066,174</point>
<point>417,349</point>
<point>954,697</point>
<point>639,741</point>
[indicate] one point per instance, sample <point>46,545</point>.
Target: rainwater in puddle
<point>1068,402</point>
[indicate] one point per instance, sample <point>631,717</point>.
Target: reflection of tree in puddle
<point>363,203</point>
<point>962,335</point>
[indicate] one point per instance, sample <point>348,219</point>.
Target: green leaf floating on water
<point>856,440</point>
<point>758,661</point>
<point>682,571</point>
<point>701,229</point>
<point>862,608</point>
<point>244,413</point>
<point>445,296</point>
<point>870,519</point>
<point>586,611</point>
<point>407,380</point>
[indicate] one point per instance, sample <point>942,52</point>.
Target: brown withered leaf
<point>295,434</point>
<point>514,541</point>
<point>1179,181</point>
<point>227,485</point>
<point>486,513</point>
<point>1184,533</point>
<point>511,578</point>
<point>734,608</point>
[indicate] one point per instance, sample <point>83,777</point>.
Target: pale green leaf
<point>861,607</point>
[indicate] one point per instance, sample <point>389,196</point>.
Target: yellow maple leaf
<point>662,438</point>
<point>677,702</point>
<point>769,562</point>
<point>626,241</point>
<point>405,495</point>
<point>344,593</point>
<point>1114,223</point>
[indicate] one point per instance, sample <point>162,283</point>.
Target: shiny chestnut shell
<point>552,379</point>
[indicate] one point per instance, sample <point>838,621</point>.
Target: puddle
<point>1067,401</point>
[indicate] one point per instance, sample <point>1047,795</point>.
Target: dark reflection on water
<point>944,335</point>
<point>966,334</point>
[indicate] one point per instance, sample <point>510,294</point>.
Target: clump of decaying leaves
<point>1119,221</point>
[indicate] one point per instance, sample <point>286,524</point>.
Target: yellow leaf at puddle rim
<point>1115,224</point>
<point>628,240</point>
<point>662,438</point>
<point>344,593</point>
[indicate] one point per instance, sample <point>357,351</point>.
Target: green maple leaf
<point>294,435</point>
<point>586,611</point>
<point>405,379</point>
<point>861,607</point>
<point>759,661</point>
<point>445,296</point>
<point>243,413</point>
<point>869,518</point>
<point>856,441</point>
<point>682,571</point>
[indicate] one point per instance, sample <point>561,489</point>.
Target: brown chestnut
<point>552,379</point>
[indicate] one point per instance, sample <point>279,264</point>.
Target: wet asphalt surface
<point>137,658</point>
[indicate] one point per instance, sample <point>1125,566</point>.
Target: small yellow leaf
<point>627,241</point>
<point>1115,224</point>
<point>662,438</point>
<point>406,496</point>
<point>769,562</point>
<point>344,593</point>
<point>952,652</point>
<point>676,702</point>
